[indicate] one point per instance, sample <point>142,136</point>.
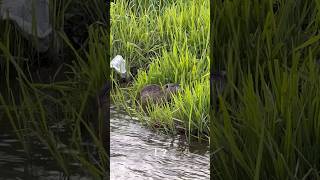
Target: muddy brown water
<point>136,153</point>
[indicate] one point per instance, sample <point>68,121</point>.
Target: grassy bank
<point>267,126</point>
<point>168,42</point>
<point>55,112</point>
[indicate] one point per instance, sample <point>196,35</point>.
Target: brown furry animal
<point>156,94</point>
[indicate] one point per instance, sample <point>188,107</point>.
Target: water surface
<point>136,153</point>
<point>139,153</point>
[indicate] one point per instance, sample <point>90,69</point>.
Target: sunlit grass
<point>172,40</point>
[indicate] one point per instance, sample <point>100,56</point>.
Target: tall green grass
<point>33,107</point>
<point>168,41</point>
<point>267,126</point>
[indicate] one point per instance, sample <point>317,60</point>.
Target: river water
<point>137,153</point>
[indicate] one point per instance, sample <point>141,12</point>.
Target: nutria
<point>157,94</point>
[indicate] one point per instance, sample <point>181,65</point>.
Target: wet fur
<point>156,94</point>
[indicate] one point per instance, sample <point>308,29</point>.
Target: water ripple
<point>139,153</point>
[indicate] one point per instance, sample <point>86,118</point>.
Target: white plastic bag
<point>119,64</point>
<point>21,12</point>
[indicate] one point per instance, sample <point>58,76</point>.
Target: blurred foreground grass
<point>268,124</point>
<point>34,107</point>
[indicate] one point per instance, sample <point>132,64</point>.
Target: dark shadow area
<point>54,89</point>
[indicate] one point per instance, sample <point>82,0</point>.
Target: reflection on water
<point>136,153</point>
<point>139,153</point>
<point>14,163</point>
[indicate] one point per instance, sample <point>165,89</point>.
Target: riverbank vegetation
<point>46,97</point>
<point>268,123</point>
<point>168,42</point>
